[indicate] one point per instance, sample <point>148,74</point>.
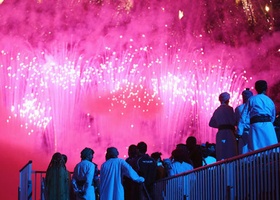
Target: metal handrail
<point>254,175</point>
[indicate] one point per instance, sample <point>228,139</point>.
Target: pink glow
<point>80,73</point>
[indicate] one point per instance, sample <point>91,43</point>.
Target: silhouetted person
<point>111,175</point>
<point>130,186</point>
<point>223,119</point>
<point>195,151</point>
<point>65,158</point>
<point>161,172</point>
<point>178,165</point>
<point>261,111</point>
<point>57,179</point>
<point>83,176</point>
<point>185,150</point>
<point>132,152</point>
<point>146,167</point>
<point>244,138</point>
<point>209,154</point>
<point>277,126</point>
<point>71,191</point>
<point>96,183</point>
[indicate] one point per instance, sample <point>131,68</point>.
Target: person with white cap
<point>261,112</point>
<point>223,119</point>
<point>244,138</point>
<point>111,176</point>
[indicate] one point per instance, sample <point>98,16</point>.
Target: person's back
<point>111,176</point>
<point>238,111</point>
<point>244,138</point>
<point>161,172</point>
<point>261,105</point>
<point>146,167</point>
<point>261,111</point>
<point>223,115</point>
<point>223,118</point>
<point>132,152</point>
<point>194,151</point>
<point>57,179</point>
<point>83,176</point>
<point>178,165</point>
<point>185,149</point>
<point>129,185</point>
<point>209,154</point>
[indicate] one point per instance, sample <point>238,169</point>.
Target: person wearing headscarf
<point>223,119</point>
<point>111,176</point>
<point>260,111</point>
<point>244,137</point>
<point>57,179</point>
<point>83,176</point>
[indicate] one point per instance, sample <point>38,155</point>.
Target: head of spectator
<point>64,158</point>
<point>181,146</point>
<point>142,147</point>
<point>156,156</point>
<point>246,94</point>
<point>57,157</point>
<point>191,142</point>
<point>185,150</point>
<point>132,151</point>
<point>112,152</point>
<point>178,155</point>
<point>261,86</point>
<point>57,161</point>
<point>211,149</point>
<point>224,98</point>
<point>87,154</point>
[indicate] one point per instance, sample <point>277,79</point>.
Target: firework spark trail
<point>112,73</point>
<point>161,98</point>
<point>111,87</point>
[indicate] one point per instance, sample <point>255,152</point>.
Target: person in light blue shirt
<point>178,165</point>
<point>83,176</point>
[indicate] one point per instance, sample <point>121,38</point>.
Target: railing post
<point>25,182</point>
<point>19,190</point>
<point>29,189</point>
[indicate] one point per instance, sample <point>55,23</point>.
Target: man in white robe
<point>261,111</point>
<point>223,119</point>
<point>111,176</point>
<point>243,140</point>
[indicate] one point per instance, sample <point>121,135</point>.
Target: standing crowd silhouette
<point>250,126</point>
